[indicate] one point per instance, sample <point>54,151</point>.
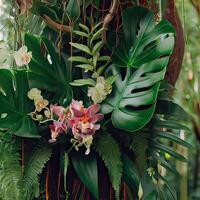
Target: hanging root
<point>59,27</point>
<point>108,18</point>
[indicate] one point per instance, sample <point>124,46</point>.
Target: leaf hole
<point>3,115</point>
<point>140,89</point>
<point>138,108</point>
<point>123,73</point>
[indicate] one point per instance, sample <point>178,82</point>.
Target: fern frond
<point>34,166</point>
<point>109,151</point>
<point>11,185</point>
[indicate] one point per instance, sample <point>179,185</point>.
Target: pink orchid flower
<point>59,126</point>
<point>56,128</point>
<point>82,123</point>
<point>84,115</point>
<point>59,111</point>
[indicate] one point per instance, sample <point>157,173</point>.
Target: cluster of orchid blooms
<point>80,120</point>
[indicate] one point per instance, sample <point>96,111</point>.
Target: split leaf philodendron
<point>141,57</point>
<point>48,70</point>
<point>15,106</point>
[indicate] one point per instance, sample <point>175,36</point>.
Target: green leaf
<point>86,67</point>
<point>86,168</point>
<point>97,47</point>
<point>96,35</point>
<point>97,25</point>
<point>109,151</point>
<point>171,137</point>
<point>73,9</point>
<point>172,109</point>
<point>82,82</point>
<point>165,164</point>
<point>84,27</point>
<point>35,164</point>
<point>103,58</point>
<point>53,77</point>
<point>80,33</point>
<point>172,191</point>
<point>110,80</point>
<point>10,172</point>
<point>130,173</point>
<point>143,41</point>
<point>169,124</point>
<point>134,97</point>
<point>166,149</point>
<point>15,104</point>
<point>64,165</point>
<point>135,90</point>
<point>80,59</point>
<point>81,47</point>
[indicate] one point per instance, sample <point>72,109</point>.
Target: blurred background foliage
<point>187,92</point>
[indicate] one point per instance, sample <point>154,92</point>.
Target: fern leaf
<point>11,185</point>
<point>34,166</point>
<point>109,151</point>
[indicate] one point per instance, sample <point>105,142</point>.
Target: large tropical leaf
<point>143,40</point>
<point>86,169</point>
<point>15,105</point>
<point>48,69</point>
<point>144,51</point>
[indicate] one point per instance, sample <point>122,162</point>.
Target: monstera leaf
<point>48,69</point>
<point>15,105</point>
<point>144,51</point>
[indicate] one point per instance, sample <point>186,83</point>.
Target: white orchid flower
<point>22,56</point>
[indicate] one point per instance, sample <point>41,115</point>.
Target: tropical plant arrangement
<point>85,113</point>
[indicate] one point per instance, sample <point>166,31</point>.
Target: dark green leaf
<point>15,104</point>
<point>166,149</point>
<point>133,102</point>
<point>130,173</point>
<point>166,164</point>
<point>86,169</point>
<point>73,9</point>
<point>171,190</point>
<point>143,40</point>
<point>53,77</point>
<point>172,137</point>
<point>144,52</point>
<point>169,124</point>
